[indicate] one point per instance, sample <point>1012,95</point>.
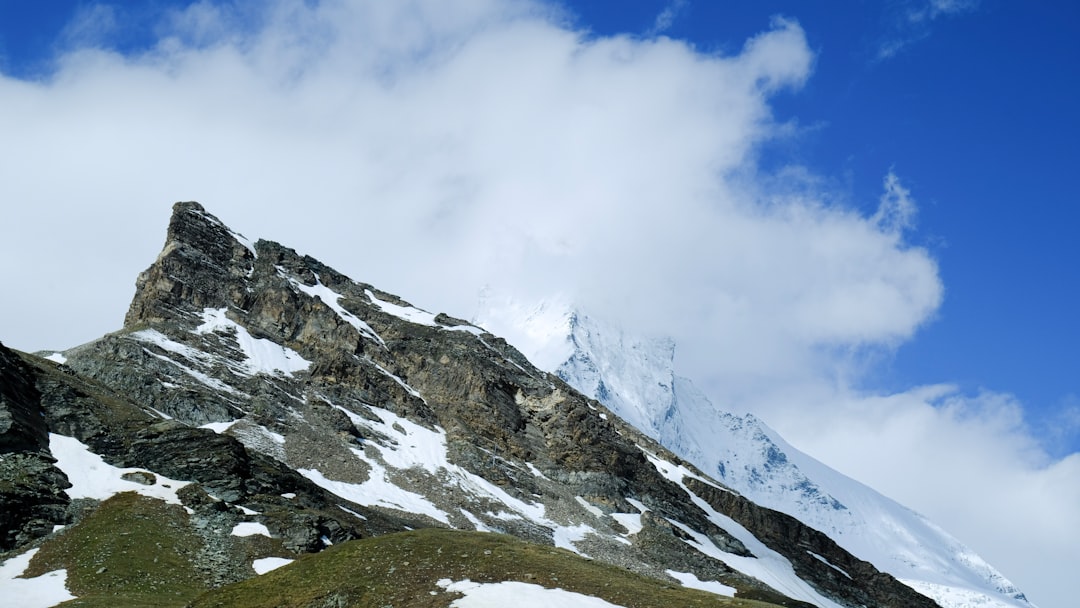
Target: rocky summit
<point>267,431</point>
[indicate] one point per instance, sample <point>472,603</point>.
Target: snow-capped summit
<point>635,377</point>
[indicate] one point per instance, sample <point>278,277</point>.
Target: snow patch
<point>417,315</point>
<point>92,477</point>
<point>418,447</point>
<point>377,491</point>
<point>250,528</point>
<point>688,579</point>
<point>589,507</point>
<point>408,313</point>
<point>266,564</point>
<point>768,566</point>
<point>519,595</point>
<point>218,427</point>
<point>57,358</point>
<point>261,355</point>
<point>630,521</point>
<point>43,591</point>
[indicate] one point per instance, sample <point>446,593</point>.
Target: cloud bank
<point>434,148</point>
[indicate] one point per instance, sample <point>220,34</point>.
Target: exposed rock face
<point>31,488</point>
<point>22,423</point>
<point>335,411</point>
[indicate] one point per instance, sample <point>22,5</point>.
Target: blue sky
<point>700,169</point>
<point>976,111</point>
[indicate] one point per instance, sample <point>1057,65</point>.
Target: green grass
<point>130,551</point>
<point>402,569</point>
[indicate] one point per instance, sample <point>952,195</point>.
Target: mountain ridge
<point>635,376</point>
<point>286,398</point>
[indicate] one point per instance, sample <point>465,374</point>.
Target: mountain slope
<point>635,377</point>
<point>263,406</point>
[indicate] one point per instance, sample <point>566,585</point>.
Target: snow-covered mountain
<point>257,406</point>
<point>634,376</point>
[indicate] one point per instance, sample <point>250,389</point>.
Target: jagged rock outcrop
<point>31,487</point>
<point>330,410</point>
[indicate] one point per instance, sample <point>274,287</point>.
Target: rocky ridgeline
<point>334,411</point>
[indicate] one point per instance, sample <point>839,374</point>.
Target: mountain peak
<point>266,392</point>
<point>635,377</point>
<point>196,269</point>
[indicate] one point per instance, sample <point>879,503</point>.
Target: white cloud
<point>966,461</point>
<point>667,17</point>
<point>912,21</point>
<point>92,24</point>
<point>897,210</point>
<point>434,147</point>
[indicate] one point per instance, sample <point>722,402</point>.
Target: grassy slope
<point>402,569</point>
<point>130,551</point>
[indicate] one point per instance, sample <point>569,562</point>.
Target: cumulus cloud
<point>969,462</point>
<point>433,148</point>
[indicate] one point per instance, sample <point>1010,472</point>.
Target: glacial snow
<point>635,378</point>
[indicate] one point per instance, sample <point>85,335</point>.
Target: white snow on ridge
<point>408,313</point>
<point>43,591</point>
<point>57,358</point>
<point>417,315</point>
<point>261,355</point>
<point>331,298</point>
<point>519,595</point>
<point>92,477</point>
<point>422,448</point>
